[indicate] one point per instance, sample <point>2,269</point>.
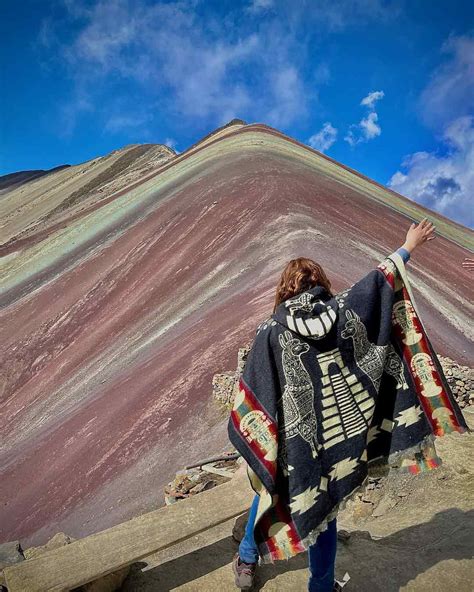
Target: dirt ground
<point>420,539</point>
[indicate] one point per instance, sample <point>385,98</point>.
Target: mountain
<point>130,280</point>
<point>15,179</point>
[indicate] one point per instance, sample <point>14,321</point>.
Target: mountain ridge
<point>119,309</point>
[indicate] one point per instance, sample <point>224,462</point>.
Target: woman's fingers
<point>428,228</point>
<point>423,222</point>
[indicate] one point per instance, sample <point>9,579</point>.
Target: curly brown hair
<point>300,274</point>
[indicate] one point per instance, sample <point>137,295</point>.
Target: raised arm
<point>416,236</point>
<point>404,254</point>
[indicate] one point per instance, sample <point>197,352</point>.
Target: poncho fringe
<point>394,458</point>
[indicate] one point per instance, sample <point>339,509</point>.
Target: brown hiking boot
<point>244,573</point>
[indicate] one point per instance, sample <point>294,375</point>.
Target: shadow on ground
<point>387,564</point>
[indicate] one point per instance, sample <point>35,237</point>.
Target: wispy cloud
<point>322,73</point>
<point>256,6</point>
<point>370,100</point>
<point>70,112</point>
<point>171,143</point>
<point>324,139</point>
<point>336,15</point>
<point>368,127</point>
<point>197,70</point>
<point>119,123</point>
<point>287,85</point>
<point>450,92</point>
<point>205,70</point>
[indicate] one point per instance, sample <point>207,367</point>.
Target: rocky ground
<point>403,533</point>
<point>461,380</point>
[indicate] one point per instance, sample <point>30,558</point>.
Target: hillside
<point>130,280</point>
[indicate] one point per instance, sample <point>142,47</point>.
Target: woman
<point>298,276</point>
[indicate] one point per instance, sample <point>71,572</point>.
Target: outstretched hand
<point>418,234</point>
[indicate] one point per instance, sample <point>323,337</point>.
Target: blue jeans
<point>321,555</point>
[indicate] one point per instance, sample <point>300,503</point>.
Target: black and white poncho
<point>333,386</point>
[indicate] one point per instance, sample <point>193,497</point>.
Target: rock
<point>362,509</point>
<point>10,553</point>
<point>374,482</point>
<point>173,493</point>
<point>58,540</point>
<point>170,499</point>
<point>225,385</point>
<point>343,535</point>
<point>384,506</point>
<point>203,486</point>
<point>372,495</point>
<point>183,483</point>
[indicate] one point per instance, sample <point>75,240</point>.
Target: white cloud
<point>196,69</point>
<point>443,183</point>
<point>324,139</point>
<point>46,35</point>
<point>201,71</point>
<point>372,98</point>
<point>287,87</point>
<point>171,143</point>
<point>450,91</point>
<point>167,50</point>
<point>351,138</point>
<point>367,128</point>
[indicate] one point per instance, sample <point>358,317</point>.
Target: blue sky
<point>383,86</point>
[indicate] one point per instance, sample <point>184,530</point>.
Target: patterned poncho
<point>334,386</point>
